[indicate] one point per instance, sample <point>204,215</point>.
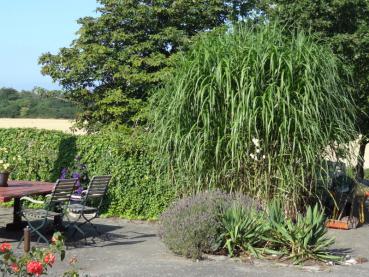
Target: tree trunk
<point>360,159</point>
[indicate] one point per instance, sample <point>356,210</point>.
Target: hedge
<point>135,192</point>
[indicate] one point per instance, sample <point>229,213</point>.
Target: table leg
<point>17,223</point>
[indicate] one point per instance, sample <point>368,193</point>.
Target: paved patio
<point>134,249</point>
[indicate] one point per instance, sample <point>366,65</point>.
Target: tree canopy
<point>28,104</point>
<point>344,24</point>
<point>121,54</point>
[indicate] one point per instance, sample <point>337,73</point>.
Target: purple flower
<point>76,175</point>
<point>79,191</point>
<point>63,173</point>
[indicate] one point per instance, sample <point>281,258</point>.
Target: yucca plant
<point>302,239</point>
<point>242,230</point>
<point>253,110</point>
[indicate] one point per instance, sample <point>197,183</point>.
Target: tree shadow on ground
<point>67,152</point>
<point>111,235</point>
<point>108,237</point>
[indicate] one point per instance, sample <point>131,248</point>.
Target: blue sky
<point>29,28</point>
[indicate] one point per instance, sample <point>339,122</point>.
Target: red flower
<point>5,247</point>
<point>49,259</point>
<point>15,268</point>
<point>35,267</point>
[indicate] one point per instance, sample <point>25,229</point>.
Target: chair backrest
<point>62,190</point>
<point>97,189</point>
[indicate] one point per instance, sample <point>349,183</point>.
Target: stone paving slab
<point>134,249</point>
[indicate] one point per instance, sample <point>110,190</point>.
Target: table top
<point>17,189</point>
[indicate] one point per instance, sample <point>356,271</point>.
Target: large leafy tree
<point>344,24</point>
<point>120,55</point>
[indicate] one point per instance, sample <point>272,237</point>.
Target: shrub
<point>243,230</point>
<point>211,221</point>
<point>305,239</point>
<point>135,191</point>
<point>192,225</point>
<point>255,110</point>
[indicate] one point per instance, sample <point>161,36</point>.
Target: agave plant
<point>302,239</point>
<point>243,231</point>
<point>251,109</point>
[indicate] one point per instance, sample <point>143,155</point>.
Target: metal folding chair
<point>79,214</point>
<point>52,207</point>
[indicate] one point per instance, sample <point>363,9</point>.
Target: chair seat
<point>39,213</point>
<point>78,208</point>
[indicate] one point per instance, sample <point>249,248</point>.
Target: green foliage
<point>243,230</point>
<point>125,51</point>
<point>190,227</point>
<point>344,25</point>
<point>211,221</point>
<point>136,191</point>
<point>253,110</point>
<point>27,104</point>
<point>302,240</point>
<point>193,226</point>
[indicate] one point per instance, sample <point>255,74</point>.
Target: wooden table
<point>18,189</point>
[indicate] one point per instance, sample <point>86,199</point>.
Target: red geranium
<point>15,268</point>
<point>35,267</point>
<point>5,247</point>
<point>49,259</point>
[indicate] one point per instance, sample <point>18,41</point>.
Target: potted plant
<point>7,164</point>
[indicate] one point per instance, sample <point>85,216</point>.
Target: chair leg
<point>88,221</point>
<point>76,227</point>
<point>40,235</point>
<point>34,229</point>
<point>94,227</point>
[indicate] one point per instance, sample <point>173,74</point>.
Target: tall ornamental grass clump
<point>254,110</point>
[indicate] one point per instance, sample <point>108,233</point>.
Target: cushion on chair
<point>77,208</point>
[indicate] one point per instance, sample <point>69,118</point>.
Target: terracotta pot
<point>4,176</point>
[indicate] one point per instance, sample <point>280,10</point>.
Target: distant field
<point>49,124</point>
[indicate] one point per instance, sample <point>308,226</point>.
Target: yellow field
<point>49,124</point>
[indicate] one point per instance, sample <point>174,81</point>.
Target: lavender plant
<point>192,225</point>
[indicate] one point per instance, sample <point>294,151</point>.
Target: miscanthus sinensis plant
<point>255,110</point>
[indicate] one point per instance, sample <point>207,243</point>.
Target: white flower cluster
<point>4,165</point>
<point>256,156</point>
<point>7,163</point>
